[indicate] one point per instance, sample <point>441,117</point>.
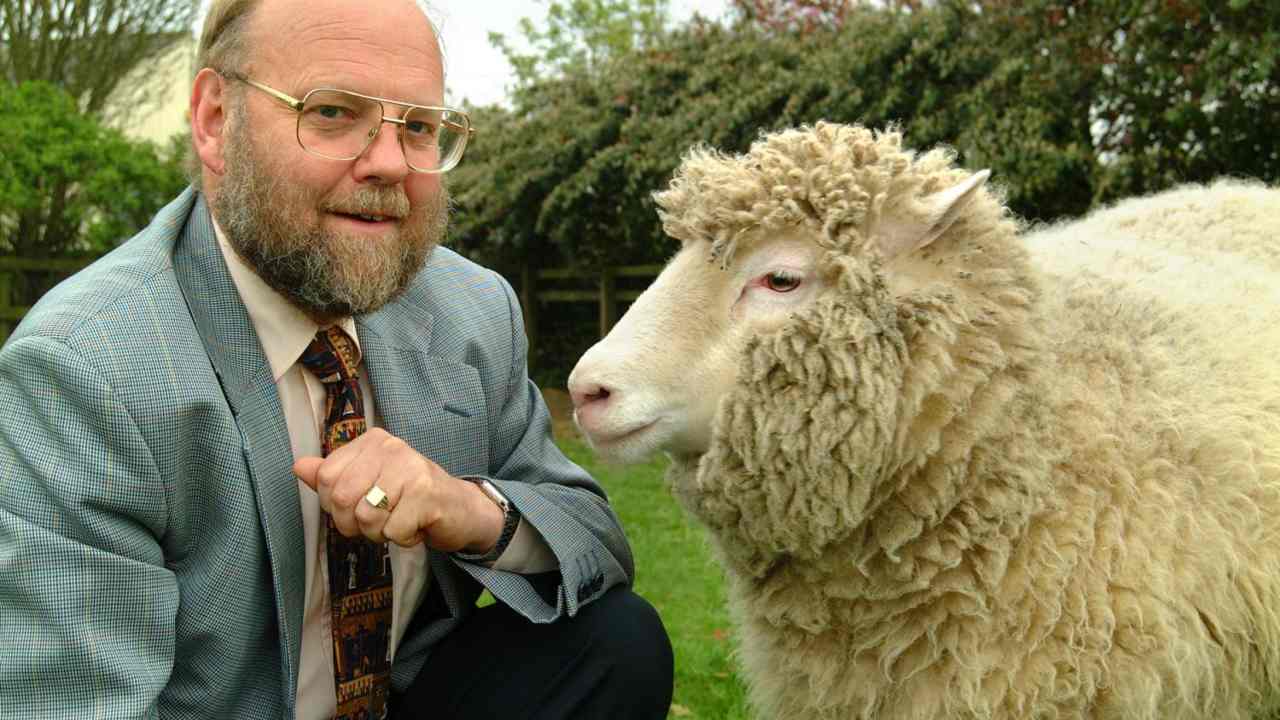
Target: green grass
<point>675,572</point>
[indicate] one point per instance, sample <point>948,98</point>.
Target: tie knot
<point>332,356</point>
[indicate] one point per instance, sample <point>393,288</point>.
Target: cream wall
<point>169,77</point>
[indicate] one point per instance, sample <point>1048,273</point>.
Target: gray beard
<point>326,274</point>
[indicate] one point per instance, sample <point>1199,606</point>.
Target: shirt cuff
<point>527,553</point>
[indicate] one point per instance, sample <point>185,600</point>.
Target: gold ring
<point>376,498</point>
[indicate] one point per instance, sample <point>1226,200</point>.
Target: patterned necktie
<point>359,571</point>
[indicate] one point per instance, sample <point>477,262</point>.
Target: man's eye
<point>331,112</point>
<point>781,282</point>
<point>420,129</point>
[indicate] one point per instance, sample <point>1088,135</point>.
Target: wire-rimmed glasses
<point>340,125</point>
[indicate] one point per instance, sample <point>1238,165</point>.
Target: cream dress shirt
<point>284,332</point>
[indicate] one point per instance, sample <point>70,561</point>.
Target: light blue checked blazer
<point>151,550</point>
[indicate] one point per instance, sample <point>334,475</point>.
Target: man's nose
<point>383,160</point>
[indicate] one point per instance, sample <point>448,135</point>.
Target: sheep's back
<point>1185,283</point>
<point>1162,314</point>
<point>1228,218</point>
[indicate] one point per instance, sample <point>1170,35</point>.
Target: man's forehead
<point>284,14</point>
<point>387,48</point>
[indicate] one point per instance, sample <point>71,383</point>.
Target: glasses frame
<point>297,105</point>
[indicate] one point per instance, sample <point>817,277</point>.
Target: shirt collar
<point>283,329</point>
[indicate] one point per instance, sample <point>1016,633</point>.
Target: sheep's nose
<point>584,393</point>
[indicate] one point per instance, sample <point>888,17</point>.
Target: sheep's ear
<point>906,229</point>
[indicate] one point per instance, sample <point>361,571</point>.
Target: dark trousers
<point>612,660</point>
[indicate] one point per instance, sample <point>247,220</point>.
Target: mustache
<point>386,201</point>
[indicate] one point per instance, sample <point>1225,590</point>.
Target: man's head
<point>336,237</point>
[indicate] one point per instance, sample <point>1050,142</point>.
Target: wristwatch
<point>510,521</point>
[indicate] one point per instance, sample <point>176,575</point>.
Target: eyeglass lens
<point>339,125</point>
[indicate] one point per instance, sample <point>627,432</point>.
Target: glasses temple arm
<point>471,132</point>
<point>292,102</point>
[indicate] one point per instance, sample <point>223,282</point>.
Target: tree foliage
<point>793,16</point>
<point>805,16</point>
<point>1176,89</point>
<point>68,184</point>
<point>88,46</point>
<point>1071,103</point>
<point>580,35</point>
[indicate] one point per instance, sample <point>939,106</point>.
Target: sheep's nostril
<point>583,394</point>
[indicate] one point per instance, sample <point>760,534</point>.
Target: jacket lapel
<point>421,396</point>
<point>395,344</point>
<point>250,390</point>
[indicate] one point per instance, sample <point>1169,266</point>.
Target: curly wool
<point>833,179</point>
<point>1008,477</point>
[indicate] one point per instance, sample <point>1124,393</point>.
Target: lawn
<point>675,572</point>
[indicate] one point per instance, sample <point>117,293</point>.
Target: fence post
<point>529,301</point>
<point>6,301</point>
<point>608,301</point>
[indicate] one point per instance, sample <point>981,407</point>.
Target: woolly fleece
<point>1002,476</point>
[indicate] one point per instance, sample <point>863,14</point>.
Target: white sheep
<point>952,472</point>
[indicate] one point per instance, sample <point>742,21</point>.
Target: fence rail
<point>547,285</point>
<point>606,293</point>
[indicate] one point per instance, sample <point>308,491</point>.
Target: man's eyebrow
<point>324,85</point>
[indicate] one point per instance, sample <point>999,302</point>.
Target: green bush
<point>70,186</point>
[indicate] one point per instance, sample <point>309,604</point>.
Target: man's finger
<point>307,469</point>
<point>371,518</point>
<point>402,527</point>
<point>336,463</point>
<point>331,475</point>
<point>399,469</point>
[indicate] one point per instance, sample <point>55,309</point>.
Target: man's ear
<point>908,225</point>
<point>208,119</point>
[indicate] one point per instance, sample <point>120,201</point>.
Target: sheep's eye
<point>781,282</point>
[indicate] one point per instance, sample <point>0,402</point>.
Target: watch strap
<point>510,521</point>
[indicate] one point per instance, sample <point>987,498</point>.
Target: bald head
<point>225,41</point>
<point>388,38</point>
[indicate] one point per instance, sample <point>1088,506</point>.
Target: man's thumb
<point>307,468</point>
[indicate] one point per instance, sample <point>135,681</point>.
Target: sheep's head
<point>767,237</point>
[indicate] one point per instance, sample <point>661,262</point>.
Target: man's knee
<point>631,652</point>
<point>629,630</point>
<point>612,659</point>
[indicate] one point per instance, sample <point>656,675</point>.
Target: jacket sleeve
<point>559,499</point>
<point>87,606</point>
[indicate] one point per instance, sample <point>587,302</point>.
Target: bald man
<point>261,460</point>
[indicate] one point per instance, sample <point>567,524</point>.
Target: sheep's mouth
<point>623,443</point>
<point>624,435</point>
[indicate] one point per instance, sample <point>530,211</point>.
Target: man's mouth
<point>369,218</point>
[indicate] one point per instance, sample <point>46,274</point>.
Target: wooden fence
<point>607,289</point>
<point>612,286</point>
<point>28,277</point>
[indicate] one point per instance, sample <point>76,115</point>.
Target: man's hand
<point>425,503</point>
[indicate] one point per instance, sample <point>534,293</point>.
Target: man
<point>262,459</point>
